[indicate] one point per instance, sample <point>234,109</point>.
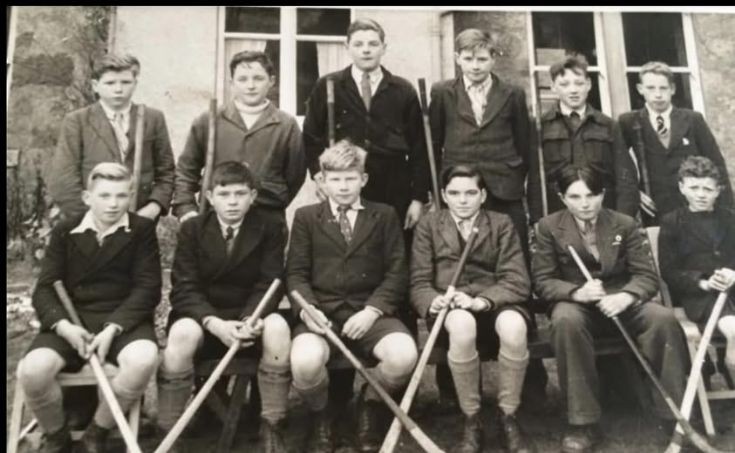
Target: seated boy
<point>697,249</point>
<point>614,251</point>
<point>347,258</point>
<point>225,261</point>
<point>486,311</point>
<point>109,263</point>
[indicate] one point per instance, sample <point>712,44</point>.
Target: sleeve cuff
<point>374,309</point>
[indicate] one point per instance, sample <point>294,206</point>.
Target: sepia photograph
<point>362,229</point>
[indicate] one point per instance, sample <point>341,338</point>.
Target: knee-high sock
<point>466,375</point>
<point>274,383</point>
<point>316,395</point>
<point>174,390</point>
<point>511,373</point>
<point>126,395</point>
<point>48,408</point>
<point>388,379</point>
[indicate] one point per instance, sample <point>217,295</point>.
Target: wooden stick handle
<point>330,111</point>
<point>99,374</point>
<point>541,164</point>
<point>138,156</point>
<point>429,143</point>
<point>391,438</point>
<point>209,384</point>
<point>423,440</point>
<point>209,158</point>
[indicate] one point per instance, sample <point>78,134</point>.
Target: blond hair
<point>343,156</point>
<point>110,171</point>
<point>659,68</point>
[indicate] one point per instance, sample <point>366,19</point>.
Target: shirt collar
<point>375,75</point>
<point>566,110</point>
<point>88,223</point>
<point>484,85</point>
<point>333,206</point>
<point>110,114</point>
<point>666,114</point>
<point>223,226</point>
<point>456,219</point>
<point>580,223</point>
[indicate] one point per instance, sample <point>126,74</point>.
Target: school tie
<point>118,126</point>
<point>574,121</point>
<point>229,239</point>
<point>465,227</point>
<point>478,101</point>
<point>590,239</point>
<point>366,89</point>
<point>661,126</point>
<point>344,223</point>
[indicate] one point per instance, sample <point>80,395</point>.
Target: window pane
<point>243,19</point>
<point>682,97</point>
<point>271,48</point>
<point>312,21</point>
<point>654,37</point>
<point>548,98</point>
<point>308,72</point>
<point>559,34</point>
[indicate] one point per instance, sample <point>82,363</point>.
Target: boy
<point>668,135</point>
<point>108,260</point>
<point>379,112</point>
<point>575,133</point>
<point>105,132</point>
<point>225,261</point>
<point>697,250</point>
<point>251,130</point>
<point>612,247</point>
<point>347,258</point>
<point>487,309</point>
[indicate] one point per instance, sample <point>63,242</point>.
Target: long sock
<point>274,383</point>
<point>174,391</point>
<point>466,375</point>
<point>48,408</point>
<point>125,397</point>
<point>511,373</point>
<point>391,382</point>
<point>315,396</point>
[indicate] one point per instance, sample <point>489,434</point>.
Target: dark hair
<point>115,63</point>
<point>699,167</point>
<point>232,172</point>
<point>251,56</point>
<point>658,68</point>
<point>571,174</point>
<point>574,63</point>
<point>462,171</point>
<point>365,24</point>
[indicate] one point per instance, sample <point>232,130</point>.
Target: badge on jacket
<point>618,240</point>
<point>685,141</point>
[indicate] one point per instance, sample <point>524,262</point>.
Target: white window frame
<point>288,39</point>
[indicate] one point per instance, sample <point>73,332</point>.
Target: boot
<point>94,439</point>
<point>472,436</point>
<point>581,438</point>
<point>320,438</point>
<point>272,437</point>
<point>56,442</point>
<point>511,436</point>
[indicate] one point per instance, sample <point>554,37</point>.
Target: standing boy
<point>487,309</point>
<point>250,130</point>
<point>668,135</point>
<point>105,132</point>
<point>225,261</point>
<point>347,258</point>
<point>108,260</point>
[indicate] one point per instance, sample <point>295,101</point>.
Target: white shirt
<point>351,213</point>
<point>566,110</point>
<point>376,75</point>
<point>250,114</point>
<point>484,86</point>
<point>581,223</point>
<point>110,114</point>
<point>457,220</point>
<point>652,115</point>
<point>223,226</point>
<point>88,223</point>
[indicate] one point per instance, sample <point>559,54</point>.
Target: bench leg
<point>16,417</point>
<point>233,415</point>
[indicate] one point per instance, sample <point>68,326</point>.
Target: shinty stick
<point>429,143</point>
<point>391,438</point>
<point>697,439</point>
<point>99,374</point>
<point>209,158</point>
<point>199,398</point>
<point>138,155</point>
<point>330,111</point>
<point>423,440</point>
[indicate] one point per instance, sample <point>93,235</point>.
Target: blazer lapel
<point>364,225</point>
<point>86,243</point>
<point>463,103</point>
<point>248,237</point>
<point>330,226</point>
<point>350,89</point>
<point>608,243</point>
<point>679,127</point>
<point>448,231</point>
<point>130,154</point>
<point>267,118</point>
<point>232,115</point>
<point>112,245</point>
<point>102,127</point>
<point>214,243</point>
<point>570,235</point>
<point>483,225</point>
<point>496,99</point>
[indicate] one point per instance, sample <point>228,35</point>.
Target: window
<point>304,43</point>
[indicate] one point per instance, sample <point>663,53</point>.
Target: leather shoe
<point>56,442</point>
<point>272,436</point>
<point>368,436</point>
<point>581,438</point>
<point>320,438</point>
<point>472,436</point>
<point>511,435</point>
<point>94,439</point>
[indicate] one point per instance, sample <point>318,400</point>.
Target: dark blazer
<point>687,253</point>
<point>391,133</point>
<point>87,139</point>
<point>690,136</point>
<point>625,257</point>
<point>329,273</point>
<point>208,282</point>
<point>122,277</point>
<point>272,149</point>
<point>592,144</point>
<point>495,268</point>
<point>499,147</point>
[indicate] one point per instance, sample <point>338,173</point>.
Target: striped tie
<point>118,126</point>
<point>230,240</point>
<point>661,126</point>
<point>344,223</point>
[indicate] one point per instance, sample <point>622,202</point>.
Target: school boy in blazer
<point>613,249</point>
<point>108,261</point>
<point>347,258</point>
<point>105,132</point>
<point>225,261</point>
<point>669,135</point>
